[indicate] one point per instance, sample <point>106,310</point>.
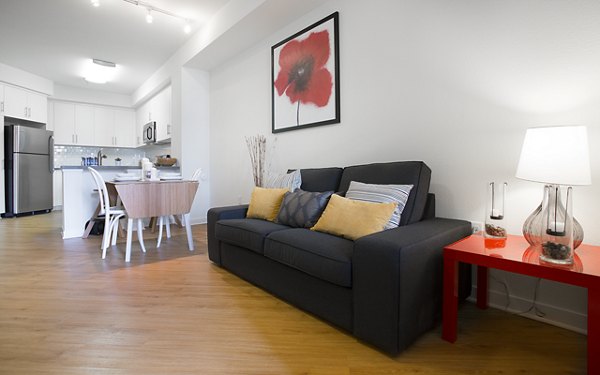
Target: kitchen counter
<point>115,167</point>
<point>79,196</point>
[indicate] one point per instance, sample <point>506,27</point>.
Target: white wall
<point>452,83</point>
<point>195,116</point>
<point>76,94</point>
<point>25,79</point>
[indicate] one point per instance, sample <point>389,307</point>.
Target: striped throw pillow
<point>381,194</point>
<point>291,181</point>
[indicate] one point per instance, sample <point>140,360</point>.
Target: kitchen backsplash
<point>71,155</point>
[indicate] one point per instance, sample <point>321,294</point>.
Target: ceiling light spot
<point>149,17</point>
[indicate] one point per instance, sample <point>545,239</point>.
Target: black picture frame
<point>305,77</point>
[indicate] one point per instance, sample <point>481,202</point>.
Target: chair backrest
<point>196,175</point>
<point>102,191</point>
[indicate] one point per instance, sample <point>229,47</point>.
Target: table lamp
<point>556,156</point>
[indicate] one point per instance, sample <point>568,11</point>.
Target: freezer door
<point>32,183</point>
<point>31,140</point>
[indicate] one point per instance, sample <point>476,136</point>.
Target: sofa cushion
<point>248,233</point>
<point>381,194</point>
<point>302,209</point>
<point>321,179</point>
<point>414,173</point>
<point>290,181</point>
<point>320,255</point>
<point>265,203</point>
<point>353,219</point>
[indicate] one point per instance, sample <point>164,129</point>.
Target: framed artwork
<point>305,84</point>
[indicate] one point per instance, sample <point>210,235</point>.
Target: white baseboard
<point>555,315</point>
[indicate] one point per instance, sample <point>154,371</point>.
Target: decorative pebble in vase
<point>495,218</point>
<point>558,226</point>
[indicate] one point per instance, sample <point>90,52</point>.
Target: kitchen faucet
<point>100,156</point>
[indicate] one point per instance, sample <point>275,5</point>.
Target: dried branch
<point>257,145</point>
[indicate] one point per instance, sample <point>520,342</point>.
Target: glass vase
<point>495,218</point>
<point>534,225</point>
<point>557,230</point>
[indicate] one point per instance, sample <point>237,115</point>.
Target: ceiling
<point>56,38</point>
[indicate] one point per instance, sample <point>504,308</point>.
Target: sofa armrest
<point>397,281</point>
<point>220,213</point>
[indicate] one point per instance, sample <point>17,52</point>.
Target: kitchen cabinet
<point>64,123</point>
<point>25,104</point>
<point>57,186</point>
<point>73,124</point>
<point>104,126</point>
<point>124,128</point>
<point>162,113</point>
<point>91,125</point>
<point>157,109</point>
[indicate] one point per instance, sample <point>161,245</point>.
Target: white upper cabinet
<point>163,115</point>
<point>84,125</point>
<point>124,128</point>
<point>64,123</point>
<point>25,104</point>
<point>157,109</point>
<point>92,125</point>
<point>104,126</point>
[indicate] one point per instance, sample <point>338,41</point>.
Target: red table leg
<point>482,287</point>
<point>450,309</point>
<point>593,330</point>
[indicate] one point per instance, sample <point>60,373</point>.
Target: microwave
<point>149,132</point>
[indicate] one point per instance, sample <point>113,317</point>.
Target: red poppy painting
<point>305,77</point>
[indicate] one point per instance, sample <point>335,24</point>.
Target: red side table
<point>515,255</point>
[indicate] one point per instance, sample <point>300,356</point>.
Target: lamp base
<point>535,225</point>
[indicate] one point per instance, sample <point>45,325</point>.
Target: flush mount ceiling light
<point>187,23</point>
<point>99,71</point>
<point>95,3</point>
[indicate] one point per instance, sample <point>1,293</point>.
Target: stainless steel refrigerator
<point>29,164</point>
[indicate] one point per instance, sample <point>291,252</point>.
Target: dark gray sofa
<point>384,288</point>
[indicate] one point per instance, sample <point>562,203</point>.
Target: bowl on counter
<point>166,162</point>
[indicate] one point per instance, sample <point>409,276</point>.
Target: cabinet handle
<point>2,107</point>
<point>76,138</point>
<point>169,129</point>
<point>25,111</point>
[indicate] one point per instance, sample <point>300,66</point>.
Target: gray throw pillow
<point>302,209</point>
<point>382,194</point>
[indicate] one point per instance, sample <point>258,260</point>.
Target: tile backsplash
<point>71,155</point>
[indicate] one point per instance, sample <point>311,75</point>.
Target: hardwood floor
<point>63,310</point>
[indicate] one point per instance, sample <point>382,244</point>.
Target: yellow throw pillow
<point>353,219</point>
<point>265,203</point>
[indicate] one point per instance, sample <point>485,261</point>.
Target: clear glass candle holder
<point>495,218</point>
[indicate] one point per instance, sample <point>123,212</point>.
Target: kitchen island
<point>80,198</point>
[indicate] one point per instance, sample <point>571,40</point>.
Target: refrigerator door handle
<point>51,154</point>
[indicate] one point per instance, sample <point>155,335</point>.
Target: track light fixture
<point>187,26</point>
<point>149,17</point>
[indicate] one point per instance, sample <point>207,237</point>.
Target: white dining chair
<point>166,220</point>
<point>112,215</point>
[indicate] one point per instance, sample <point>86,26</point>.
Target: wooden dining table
<point>147,199</point>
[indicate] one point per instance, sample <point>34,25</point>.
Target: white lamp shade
<point>556,155</point>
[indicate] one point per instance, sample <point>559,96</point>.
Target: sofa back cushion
<point>321,179</point>
<point>414,173</point>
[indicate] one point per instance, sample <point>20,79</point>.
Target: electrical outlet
<point>476,226</point>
